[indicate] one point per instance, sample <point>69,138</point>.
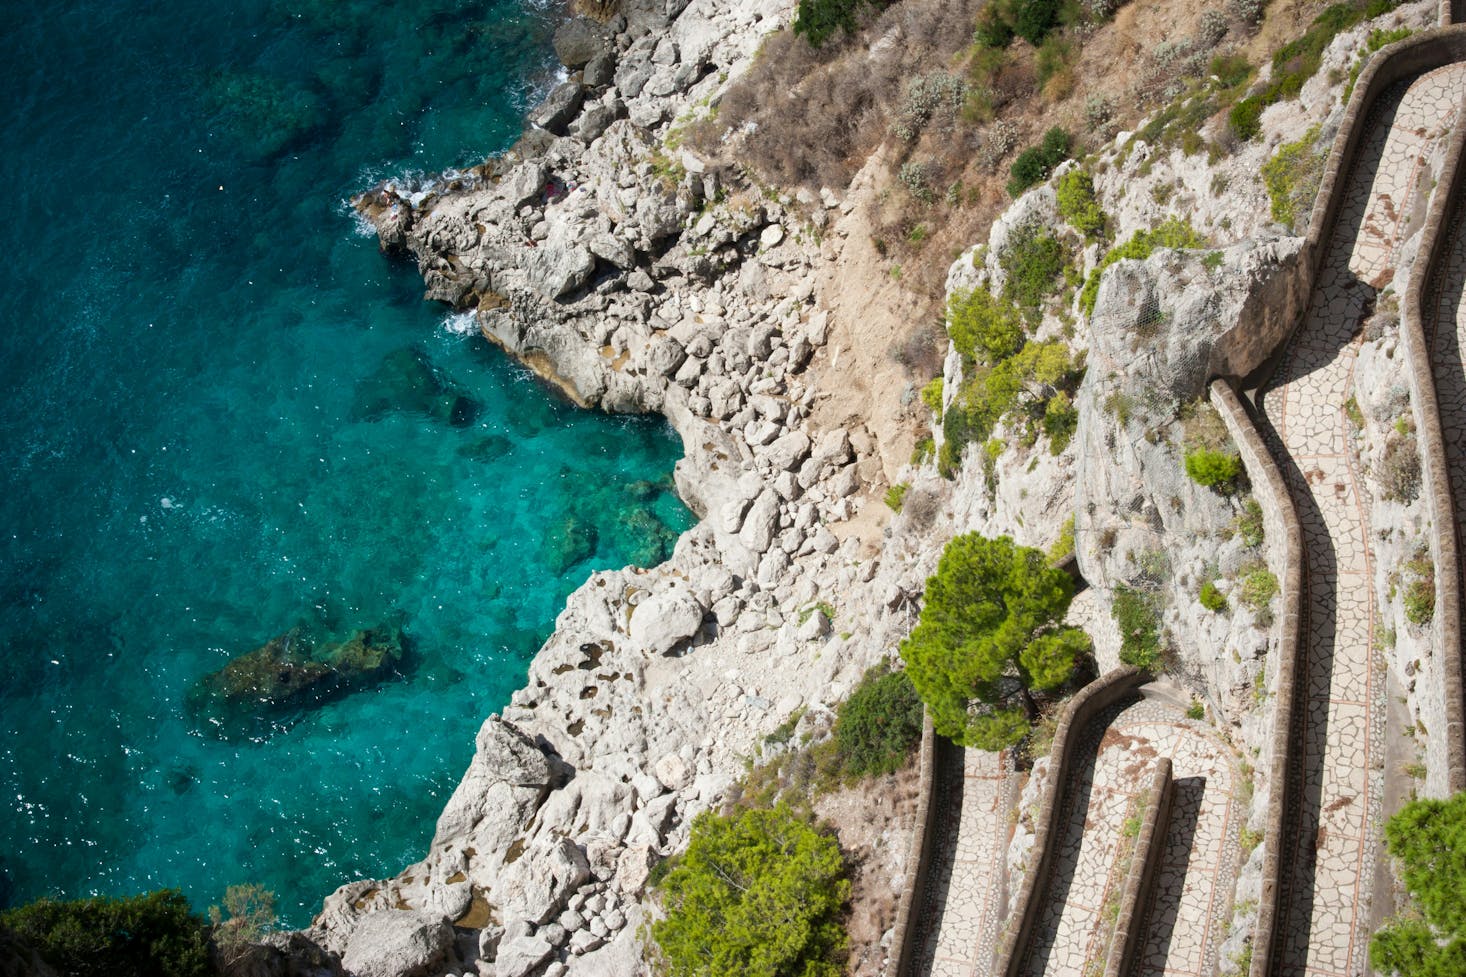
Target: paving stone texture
<point>1198,861</point>
<point>964,904</point>
<point>1336,784</point>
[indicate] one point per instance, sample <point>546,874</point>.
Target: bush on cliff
<point>1213,469</point>
<point>989,638</point>
<point>1024,387</point>
<point>1171,233</point>
<point>1079,206</point>
<point>758,892</point>
<point>817,20</point>
<point>156,934</point>
<point>879,725</point>
<point>1428,838</point>
<point>1035,163</point>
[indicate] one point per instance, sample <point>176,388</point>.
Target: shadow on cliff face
<point>265,691</point>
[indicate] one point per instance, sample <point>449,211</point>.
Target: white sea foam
<point>461,324</point>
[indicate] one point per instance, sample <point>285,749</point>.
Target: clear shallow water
<point>202,451</point>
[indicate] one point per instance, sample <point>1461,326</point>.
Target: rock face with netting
<point>1162,328</point>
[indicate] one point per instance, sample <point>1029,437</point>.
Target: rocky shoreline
<point>638,277</point>
<point>639,282</point>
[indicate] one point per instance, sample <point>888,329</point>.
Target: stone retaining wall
<point>1415,54</point>
<point>1445,756</point>
<point>1280,522</point>
<point>903,951</point>
<point>1093,699</point>
<point>1411,56</point>
<point>1145,860</point>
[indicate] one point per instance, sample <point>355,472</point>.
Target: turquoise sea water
<point>225,415</point>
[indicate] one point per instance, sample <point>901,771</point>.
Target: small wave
<point>461,324</point>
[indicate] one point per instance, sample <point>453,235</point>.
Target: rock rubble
<point>636,280</point>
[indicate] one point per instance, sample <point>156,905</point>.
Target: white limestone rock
<point>663,621</point>
<point>397,943</point>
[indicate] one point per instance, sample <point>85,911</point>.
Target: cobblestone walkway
<point>966,897</point>
<point>1199,862</point>
<point>1332,839</point>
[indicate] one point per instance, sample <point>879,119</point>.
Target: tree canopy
<point>157,933</point>
<point>989,636</point>
<point>1429,938</point>
<point>758,893</point>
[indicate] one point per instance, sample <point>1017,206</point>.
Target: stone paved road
<point>966,898</point>
<point>1199,862</point>
<point>1332,841</point>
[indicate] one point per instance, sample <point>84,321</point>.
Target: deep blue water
<point>205,445</point>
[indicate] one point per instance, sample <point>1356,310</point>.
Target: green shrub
<point>1419,596</point>
<point>1139,619</point>
<point>247,916</point>
<point>1022,385</point>
<point>1171,233</point>
<point>1196,710</point>
<point>983,329</point>
<point>153,934</point>
<point>817,20</point>
<point>1032,263</point>
<point>880,724</point>
<point>757,892</point>
<point>1063,547</point>
<point>1035,163</point>
<point>1211,598</point>
<point>931,395</point>
<point>923,451</point>
<point>1428,938</point>
<point>1297,61</point>
<point>993,29</point>
<point>1292,176</point>
<point>1419,600</point>
<point>990,636</point>
<point>1258,587</point>
<point>896,495</point>
<point>1249,523</point>
<point>1213,469</point>
<point>1033,19</point>
<point>1078,204</point>
<point>1061,420</point>
<point>1245,118</point>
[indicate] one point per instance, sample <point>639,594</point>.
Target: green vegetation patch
<point>757,892</point>
<point>1032,263</point>
<point>896,496</point>
<point>1032,20</point>
<point>990,640</point>
<point>818,20</point>
<point>1137,614</point>
<point>1292,177</point>
<point>1298,60</point>
<point>1258,586</point>
<point>985,330</point>
<point>1211,598</point>
<point>156,933</point>
<point>1022,387</point>
<point>1172,233</point>
<point>1428,938</point>
<point>880,724</point>
<point>1035,163</point>
<point>1214,469</point>
<point>1078,205</point>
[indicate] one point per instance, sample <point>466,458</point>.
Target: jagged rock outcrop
<point>1161,329</point>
